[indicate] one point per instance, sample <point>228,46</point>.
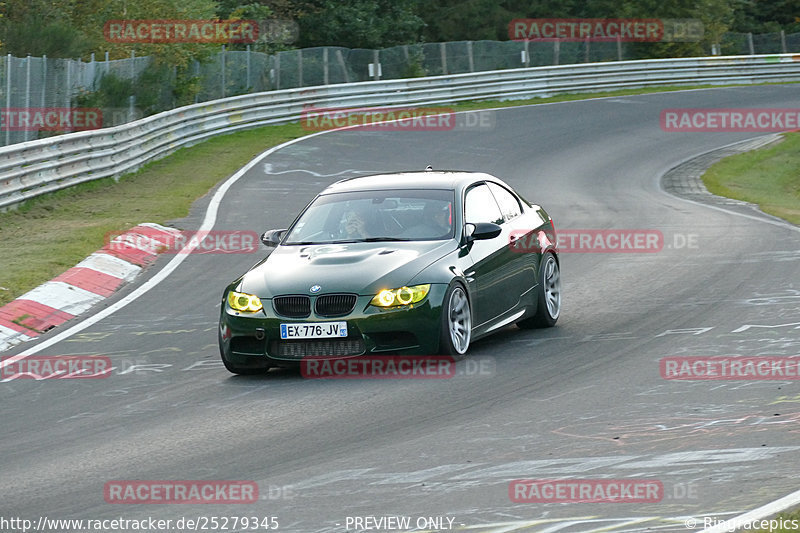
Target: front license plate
<point>314,330</point>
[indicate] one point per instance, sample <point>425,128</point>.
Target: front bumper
<point>252,340</point>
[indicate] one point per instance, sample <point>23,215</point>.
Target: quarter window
<point>508,203</point>
<point>480,206</point>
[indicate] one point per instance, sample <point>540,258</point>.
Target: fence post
<point>197,75</point>
<point>340,59</point>
<point>376,61</point>
<point>299,67</point>
<point>556,51</point>
<point>586,52</point>
<point>67,98</point>
<point>222,69</point>
<point>247,83</point>
<point>470,57</point>
<point>527,52</point>
<point>619,48</point>
<point>750,43</point>
<point>443,53</point>
<point>44,79</point>
<point>132,97</point>
<point>325,78</point>
<point>92,66</point>
<point>27,89</point>
<point>783,42</point>
<point>277,70</point>
<point>8,94</point>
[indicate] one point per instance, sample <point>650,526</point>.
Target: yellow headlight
<point>401,296</point>
<point>241,301</point>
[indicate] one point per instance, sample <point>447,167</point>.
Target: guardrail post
<point>556,51</point>
<point>443,53</point>
<point>750,43</point>
<point>783,42</point>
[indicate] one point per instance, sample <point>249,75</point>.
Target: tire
<point>456,327</point>
<point>548,297</point>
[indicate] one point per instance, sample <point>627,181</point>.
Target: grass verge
<point>791,520</point>
<point>769,177</point>
<point>49,234</point>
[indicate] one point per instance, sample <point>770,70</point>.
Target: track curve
<point>582,400</point>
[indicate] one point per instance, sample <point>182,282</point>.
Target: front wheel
<point>456,329</point>
<point>548,295</point>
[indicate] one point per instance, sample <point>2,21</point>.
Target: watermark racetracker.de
<point>50,119</point>
<point>397,119</point>
<point>720,367</point>
<point>43,367</point>
<point>181,31</point>
<point>599,241</point>
<point>180,492</point>
<point>395,367</point>
<point>586,491</point>
<point>729,120</point>
<point>606,30</point>
<point>210,242</point>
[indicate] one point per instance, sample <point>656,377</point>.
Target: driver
<point>355,226</point>
<point>434,222</point>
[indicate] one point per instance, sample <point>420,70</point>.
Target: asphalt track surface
<point>582,400</point>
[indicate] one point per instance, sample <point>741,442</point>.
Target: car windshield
<point>374,216</point>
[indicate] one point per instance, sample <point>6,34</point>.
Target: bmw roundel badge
<point>315,289</point>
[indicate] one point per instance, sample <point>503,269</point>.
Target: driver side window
<point>480,206</point>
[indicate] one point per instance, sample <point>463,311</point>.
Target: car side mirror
<point>481,231</point>
<point>273,237</point>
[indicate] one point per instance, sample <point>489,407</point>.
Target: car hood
<point>361,268</point>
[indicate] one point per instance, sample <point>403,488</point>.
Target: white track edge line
<point>208,222</point>
<point>760,513</point>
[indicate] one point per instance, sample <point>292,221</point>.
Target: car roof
<point>428,179</point>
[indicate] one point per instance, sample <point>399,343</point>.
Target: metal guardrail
<point>33,168</point>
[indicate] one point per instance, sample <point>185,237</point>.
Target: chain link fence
<point>41,97</point>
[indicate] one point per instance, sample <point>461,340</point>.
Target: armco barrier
<point>36,167</point>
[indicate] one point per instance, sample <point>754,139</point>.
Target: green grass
<point>769,177</point>
<point>794,515</point>
<point>50,234</point>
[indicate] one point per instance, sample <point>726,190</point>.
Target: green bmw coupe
<point>416,263</point>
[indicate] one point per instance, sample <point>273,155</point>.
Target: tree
<point>359,23</point>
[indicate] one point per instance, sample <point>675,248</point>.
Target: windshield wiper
<point>383,239</point>
<point>349,241</point>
